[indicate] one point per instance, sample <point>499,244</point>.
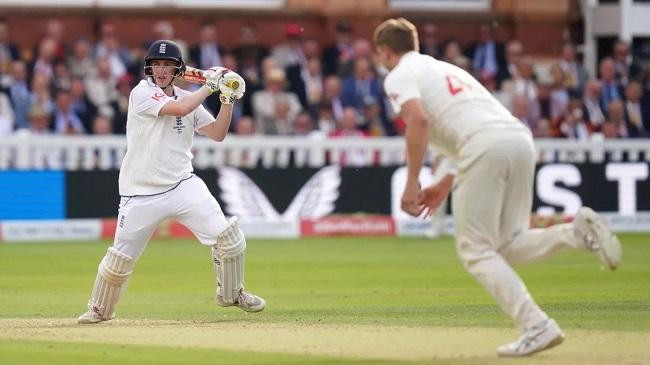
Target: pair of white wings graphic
<point>243,198</point>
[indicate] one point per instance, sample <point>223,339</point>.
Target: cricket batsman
<point>156,181</point>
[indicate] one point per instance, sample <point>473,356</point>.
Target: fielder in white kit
<point>156,181</point>
<point>495,156</point>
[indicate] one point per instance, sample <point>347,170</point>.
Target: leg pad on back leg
<point>113,272</point>
<point>228,257</point>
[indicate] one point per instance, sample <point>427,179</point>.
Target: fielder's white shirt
<point>457,105</point>
<point>158,154</point>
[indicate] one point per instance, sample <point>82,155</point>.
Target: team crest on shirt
<point>393,96</point>
<point>179,126</point>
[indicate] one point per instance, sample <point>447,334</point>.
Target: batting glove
<point>213,77</point>
<point>232,83</point>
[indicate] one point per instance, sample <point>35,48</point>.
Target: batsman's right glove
<point>213,78</point>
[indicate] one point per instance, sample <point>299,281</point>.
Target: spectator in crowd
<point>6,115</point>
<point>332,96</point>
<point>66,121</point>
<point>100,84</point>
<point>41,92</point>
<point>110,49</point>
<point>490,83</point>
<point>593,112</point>
<point>81,105</point>
<point>39,120</point>
<point>576,74</point>
<point>341,52</point>
<point>326,123</point>
<point>245,126</point>
<point>54,31</point>
<point>44,63</point>
<point>303,125</point>
<point>525,84</point>
<point>102,125</point>
<point>8,51</point>
<point>307,83</point>
<point>573,125</point>
<point>299,74</point>
<point>121,104</point>
<point>207,53</point>
<point>362,88</point>
<point>558,94</point>
<point>543,129</point>
<point>453,53</point>
<point>616,115</point>
<point>520,107</point>
<point>638,124</point>
<point>349,127</point>
<point>291,51</point>
<point>429,41</point>
<point>19,94</point>
<point>610,130</point>
<point>487,54</point>
<point>514,53</point>
<point>62,78</point>
<point>611,88</point>
<point>274,109</point>
<point>250,53</point>
<point>626,68</point>
<point>80,61</point>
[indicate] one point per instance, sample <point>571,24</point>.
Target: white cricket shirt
<point>158,154</point>
<point>457,105</point>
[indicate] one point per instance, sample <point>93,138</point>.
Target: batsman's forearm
<point>218,129</point>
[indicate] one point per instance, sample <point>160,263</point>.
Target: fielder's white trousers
<point>492,201</point>
<point>190,203</point>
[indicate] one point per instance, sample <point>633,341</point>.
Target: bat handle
<point>233,84</point>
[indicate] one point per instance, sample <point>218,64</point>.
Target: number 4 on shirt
<point>455,85</point>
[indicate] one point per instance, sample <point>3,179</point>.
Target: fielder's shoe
<point>540,337</point>
<point>245,300</point>
<point>589,226</point>
<point>91,317</point>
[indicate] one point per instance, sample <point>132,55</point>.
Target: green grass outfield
<point>330,301</point>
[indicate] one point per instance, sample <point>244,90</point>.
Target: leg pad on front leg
<point>113,272</point>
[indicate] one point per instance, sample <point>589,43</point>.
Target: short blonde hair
<point>399,35</point>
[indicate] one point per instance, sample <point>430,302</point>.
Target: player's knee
<point>230,241</point>
<point>471,253</point>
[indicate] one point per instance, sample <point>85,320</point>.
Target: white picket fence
<point>25,151</point>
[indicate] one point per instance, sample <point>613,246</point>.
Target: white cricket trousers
<point>190,203</point>
<point>492,202</point>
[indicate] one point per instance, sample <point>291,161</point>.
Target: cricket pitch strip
<point>401,343</point>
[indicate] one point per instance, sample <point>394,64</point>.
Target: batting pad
<point>228,257</point>
<point>113,272</point>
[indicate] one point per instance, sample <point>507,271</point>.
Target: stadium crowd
<point>302,87</point>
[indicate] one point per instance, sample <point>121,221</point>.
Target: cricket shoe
<point>542,336</point>
<point>597,237</point>
<point>245,300</point>
<point>92,316</point>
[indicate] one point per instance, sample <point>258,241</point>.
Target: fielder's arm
<point>417,132</point>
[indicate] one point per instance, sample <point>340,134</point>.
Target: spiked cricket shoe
<point>246,301</point>
<point>91,317</point>
<point>538,338</point>
<point>597,237</point>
